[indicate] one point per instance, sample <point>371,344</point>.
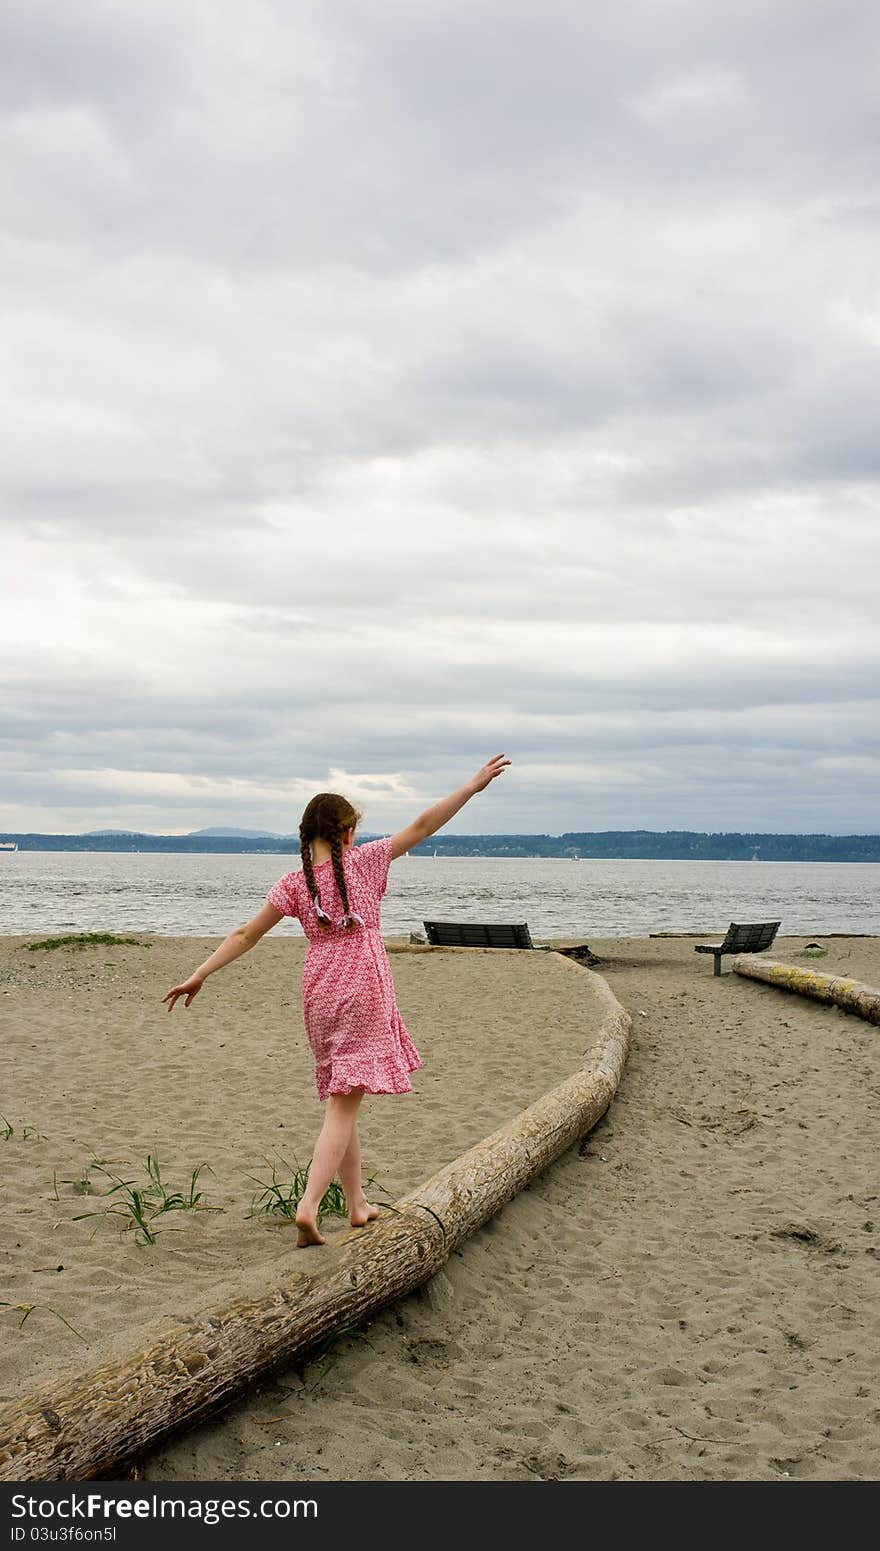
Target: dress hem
<point>392,1076</point>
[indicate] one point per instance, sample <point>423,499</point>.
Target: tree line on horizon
<point>637,845</point>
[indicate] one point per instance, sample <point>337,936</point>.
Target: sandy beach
<point>690,1294</point>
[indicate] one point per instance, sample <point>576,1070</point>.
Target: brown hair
<point>327,817</point>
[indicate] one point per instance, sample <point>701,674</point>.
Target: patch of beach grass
<point>9,1132</point>
<point>280,1196</point>
<point>26,1309</point>
<point>85,940</point>
<point>81,1184</point>
<point>334,1345</point>
<point>139,1205</point>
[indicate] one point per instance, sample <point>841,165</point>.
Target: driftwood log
<point>88,1425</point>
<point>851,995</point>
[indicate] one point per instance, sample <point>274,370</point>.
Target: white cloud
<point>700,92</point>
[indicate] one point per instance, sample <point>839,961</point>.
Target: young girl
<point>354,1028</point>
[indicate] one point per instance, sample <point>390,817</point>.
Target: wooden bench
<point>466,934</point>
<point>752,937</point>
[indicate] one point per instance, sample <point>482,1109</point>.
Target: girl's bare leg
<point>330,1148</point>
<point>360,1210</point>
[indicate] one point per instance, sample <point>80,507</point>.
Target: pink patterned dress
<point>352,1021</point>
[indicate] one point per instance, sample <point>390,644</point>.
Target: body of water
<point>173,894</point>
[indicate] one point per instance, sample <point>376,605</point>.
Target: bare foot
<point>307,1232</point>
<point>359,1216</point>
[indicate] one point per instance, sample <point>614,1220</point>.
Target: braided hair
<point>327,817</point>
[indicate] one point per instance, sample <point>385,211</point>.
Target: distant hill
<point>133,833</point>
<point>238,834</point>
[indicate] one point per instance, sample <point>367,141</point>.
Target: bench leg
<point>717,958</point>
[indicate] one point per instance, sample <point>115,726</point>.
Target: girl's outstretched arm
<point>434,818</point>
<point>237,943</point>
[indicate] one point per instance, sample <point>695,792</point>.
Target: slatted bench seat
<point>468,934</point>
<point>751,937</point>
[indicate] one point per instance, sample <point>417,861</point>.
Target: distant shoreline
<point>605,845</point>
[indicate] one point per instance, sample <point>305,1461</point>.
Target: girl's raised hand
<point>189,989</point>
<point>496,764</point>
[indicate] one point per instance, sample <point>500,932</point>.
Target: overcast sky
<point>387,385</point>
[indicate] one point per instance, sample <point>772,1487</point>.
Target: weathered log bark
<point>851,995</point>
<point>86,1426</point>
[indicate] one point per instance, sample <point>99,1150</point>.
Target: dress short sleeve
<point>282,896</point>
<point>374,860</point>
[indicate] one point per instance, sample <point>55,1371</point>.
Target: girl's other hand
<point>496,765</point>
<point>189,989</point>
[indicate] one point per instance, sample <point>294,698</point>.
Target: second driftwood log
<point>834,990</point>
<point>89,1424</point>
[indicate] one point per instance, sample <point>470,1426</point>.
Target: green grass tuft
<point>85,940</point>
<point>280,1196</point>
<point>26,1309</point>
<point>23,1133</point>
<point>331,1348</point>
<point>82,1184</point>
<point>138,1206</point>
